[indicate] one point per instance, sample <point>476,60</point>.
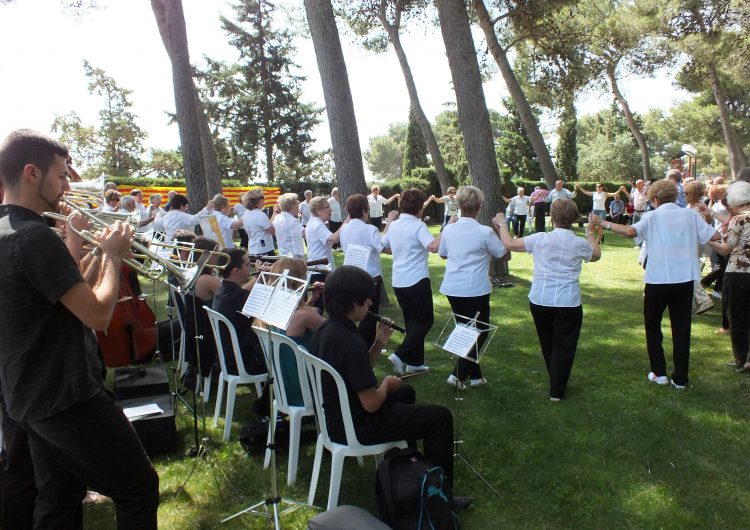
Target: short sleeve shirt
<point>304,211</point>
<point>558,256</point>
<point>738,235</point>
<point>521,204</point>
<point>357,232</point>
<point>318,247</point>
<point>408,237</point>
<point>289,235</point>
<point>49,360</point>
<point>376,205</point>
<point>338,344</point>
<point>255,222</point>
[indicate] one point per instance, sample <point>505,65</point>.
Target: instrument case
<point>158,433</point>
<point>140,381</point>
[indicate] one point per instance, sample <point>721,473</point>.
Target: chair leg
<point>219,400</point>
<point>295,428</point>
<point>337,468</point>
<point>316,469</point>
<point>206,388</point>
<point>360,461</point>
<point>231,395</point>
<point>267,459</point>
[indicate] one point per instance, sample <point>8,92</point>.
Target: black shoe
<point>461,503</point>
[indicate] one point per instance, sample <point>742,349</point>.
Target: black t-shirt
<point>49,360</point>
<point>229,301</point>
<point>338,343</point>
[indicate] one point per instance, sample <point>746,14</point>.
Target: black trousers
<point>333,226</point>
<point>678,298</point>
<point>377,222</point>
<point>558,329</point>
<point>17,486</point>
<point>519,224</point>
<point>400,419</point>
<point>539,211</point>
<point>368,326</point>
<point>91,443</point>
<point>416,305</point>
<point>468,306</point>
<point>736,298</point>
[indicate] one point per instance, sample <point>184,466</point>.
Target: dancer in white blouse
<point>376,202</point>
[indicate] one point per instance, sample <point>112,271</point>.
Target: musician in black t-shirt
<point>50,368</point>
<point>381,412</point>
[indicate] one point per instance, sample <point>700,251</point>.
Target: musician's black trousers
<point>91,444</point>
<point>558,329</point>
<point>401,419</point>
<point>678,298</point>
<point>17,484</point>
<point>416,305</point>
<point>539,211</point>
<point>368,325</point>
<point>468,306</point>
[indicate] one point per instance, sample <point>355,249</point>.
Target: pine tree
<point>415,152</point>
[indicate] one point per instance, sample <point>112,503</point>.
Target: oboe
<point>386,321</point>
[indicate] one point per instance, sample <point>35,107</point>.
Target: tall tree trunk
<point>347,155</point>
<point>472,110</point>
<point>265,96</point>
<point>632,125</point>
<point>737,158</point>
<point>528,120</point>
<point>170,19</point>
<point>210,160</point>
<point>411,87</point>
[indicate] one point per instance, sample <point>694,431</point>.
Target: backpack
<point>413,494</point>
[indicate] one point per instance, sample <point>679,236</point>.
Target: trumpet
<point>154,267</point>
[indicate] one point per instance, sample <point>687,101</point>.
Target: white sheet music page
<point>257,302</point>
<point>282,306</point>
<point>298,249</point>
<point>461,340</point>
<point>134,413</point>
<point>357,256</point>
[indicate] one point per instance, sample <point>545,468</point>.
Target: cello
<point>131,334</point>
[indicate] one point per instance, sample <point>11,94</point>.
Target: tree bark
<point>632,125</point>
<point>472,111</point>
<point>737,158</point>
<point>347,155</point>
<point>210,161</point>
<point>419,115</point>
<point>170,20</point>
<point>265,97</point>
<point>528,120</point>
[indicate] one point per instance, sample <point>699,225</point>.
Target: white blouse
<point>408,237</point>
<point>376,205</point>
<point>255,222</point>
<point>317,235</point>
<point>289,235</point>
<point>357,232</point>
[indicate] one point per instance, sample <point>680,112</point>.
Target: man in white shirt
<point>673,235</point>
<point>334,223</point>
<point>304,207</point>
<point>288,227</point>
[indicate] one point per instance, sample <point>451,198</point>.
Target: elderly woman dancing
<point>468,246</point>
<point>555,295</point>
<point>736,292</point>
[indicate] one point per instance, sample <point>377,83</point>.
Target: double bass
<point>131,335</point>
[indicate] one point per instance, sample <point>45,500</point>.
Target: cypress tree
<point>566,152</point>
<point>415,152</point>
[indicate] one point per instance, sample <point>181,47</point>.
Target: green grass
<point>618,452</point>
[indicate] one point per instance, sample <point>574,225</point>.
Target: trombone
<point>153,266</point>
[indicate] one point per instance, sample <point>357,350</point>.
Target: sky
<point>43,48</point>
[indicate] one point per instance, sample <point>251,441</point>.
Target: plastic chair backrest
<point>217,320</point>
<point>315,369</point>
<point>178,301</point>
<point>278,341</point>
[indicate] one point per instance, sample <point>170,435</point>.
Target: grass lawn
<point>618,452</point>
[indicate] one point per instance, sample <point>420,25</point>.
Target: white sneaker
<point>414,369</point>
<point>454,382</point>
<point>398,364</point>
<point>658,379</point>
<point>677,387</point>
<point>478,382</point>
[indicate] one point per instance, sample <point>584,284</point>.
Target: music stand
<point>459,337</point>
<point>273,301</point>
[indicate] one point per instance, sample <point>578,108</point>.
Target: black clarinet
<point>386,321</point>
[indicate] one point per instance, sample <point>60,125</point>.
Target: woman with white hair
<point>736,288</point>
<point>520,204</point>
<point>468,246</point>
<point>320,240</point>
<point>376,202</point>
<point>259,228</point>
<point>288,226</point>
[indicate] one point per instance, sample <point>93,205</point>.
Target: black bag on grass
<point>413,494</point>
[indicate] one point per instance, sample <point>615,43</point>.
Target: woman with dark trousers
<point>468,246</point>
<point>410,243</point>
<point>555,296</point>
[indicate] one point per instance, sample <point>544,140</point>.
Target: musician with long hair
<point>468,246</point>
<point>50,367</point>
<point>411,242</point>
<point>555,295</point>
<point>359,232</point>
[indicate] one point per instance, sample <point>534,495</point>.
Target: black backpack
<point>413,494</point>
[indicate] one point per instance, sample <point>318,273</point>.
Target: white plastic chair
<point>280,402</point>
<point>178,301</point>
<point>217,320</point>
<point>315,369</point>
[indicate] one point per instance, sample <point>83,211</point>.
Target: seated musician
<point>229,300</point>
<point>381,412</point>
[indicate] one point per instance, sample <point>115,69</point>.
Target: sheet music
<point>298,249</point>
<point>134,413</point>
<point>256,303</point>
<point>357,256</point>
<point>211,229</point>
<point>461,340</point>
<point>282,307</point>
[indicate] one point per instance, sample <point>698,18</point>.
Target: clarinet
<point>386,321</point>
